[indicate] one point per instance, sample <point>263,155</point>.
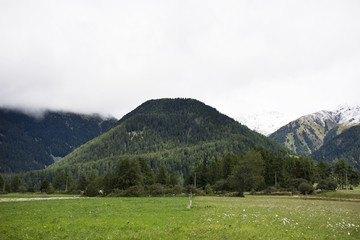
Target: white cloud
<point>238,56</point>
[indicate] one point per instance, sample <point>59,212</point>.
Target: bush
<point>22,189</point>
<point>92,189</point>
<point>295,183</point>
<point>177,189</point>
<point>305,188</point>
<point>95,187</point>
<point>270,190</point>
<point>31,189</point>
<point>195,191</point>
<point>208,189</point>
<point>327,185</point>
<point>50,189</point>
<point>221,185</point>
<point>134,191</point>
<point>156,189</point>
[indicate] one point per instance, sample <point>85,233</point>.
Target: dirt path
<point>35,199</point>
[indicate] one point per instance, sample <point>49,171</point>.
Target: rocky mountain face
<point>29,142</point>
<point>308,133</point>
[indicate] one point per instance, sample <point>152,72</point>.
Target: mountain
<point>175,133</point>
<point>308,133</point>
<point>28,142</point>
<point>345,145</point>
<point>265,122</point>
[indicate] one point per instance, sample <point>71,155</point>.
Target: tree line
<point>256,170</point>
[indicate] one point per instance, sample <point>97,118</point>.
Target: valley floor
<point>252,217</point>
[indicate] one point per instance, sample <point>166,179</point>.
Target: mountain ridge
<point>175,133</point>
<point>308,133</point>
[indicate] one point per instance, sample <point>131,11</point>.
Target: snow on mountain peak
<point>268,122</point>
<point>344,114</point>
<point>265,122</point>
<point>348,115</point>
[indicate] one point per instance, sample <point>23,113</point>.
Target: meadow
<point>252,217</point>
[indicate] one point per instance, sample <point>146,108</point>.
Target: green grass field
<point>252,217</point>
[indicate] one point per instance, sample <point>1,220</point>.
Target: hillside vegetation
<point>174,133</point>
<point>346,145</point>
<point>28,142</point>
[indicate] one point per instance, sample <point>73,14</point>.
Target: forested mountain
<point>28,142</point>
<point>346,145</point>
<point>308,133</point>
<point>174,133</point>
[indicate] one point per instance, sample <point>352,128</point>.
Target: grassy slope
<point>253,217</point>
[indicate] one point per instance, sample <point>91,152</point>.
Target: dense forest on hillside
<point>346,145</point>
<point>28,142</point>
<point>174,133</point>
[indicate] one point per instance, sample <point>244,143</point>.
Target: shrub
<point>270,190</point>
<point>22,189</point>
<point>92,189</point>
<point>50,189</point>
<point>305,188</point>
<point>31,189</point>
<point>208,189</point>
<point>327,184</point>
<point>221,185</point>
<point>295,183</point>
<point>134,191</point>
<point>156,189</point>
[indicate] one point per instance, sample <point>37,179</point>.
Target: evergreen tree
<point>173,179</point>
<point>2,184</point>
<point>44,185</point>
<point>353,176</point>
<point>248,174</point>
<point>323,170</point>
<point>83,182</point>
<point>128,173</point>
<point>147,172</point>
<point>229,162</point>
<point>162,176</point>
<point>15,183</point>
<point>62,181</point>
<point>203,176</point>
<point>340,172</point>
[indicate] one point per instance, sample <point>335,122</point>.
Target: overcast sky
<point>241,57</point>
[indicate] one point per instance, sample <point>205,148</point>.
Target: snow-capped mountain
<point>348,115</point>
<point>344,114</point>
<point>265,122</point>
<point>310,132</point>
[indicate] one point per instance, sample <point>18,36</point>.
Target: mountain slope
<point>177,133</point>
<point>346,145</point>
<point>308,133</point>
<point>28,143</point>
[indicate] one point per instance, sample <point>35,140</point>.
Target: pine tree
<point>15,183</point>
<point>173,179</point>
<point>340,172</point>
<point>162,176</point>
<point>44,185</point>
<point>249,173</point>
<point>83,182</point>
<point>2,184</point>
